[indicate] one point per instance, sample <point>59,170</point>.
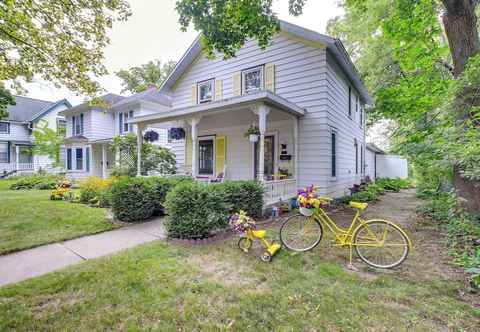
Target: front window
<point>123,125</point>
<point>69,159</point>
<point>334,154</point>
<point>252,79</point>
<point>61,127</point>
<point>78,158</point>
<point>4,128</point>
<point>205,157</point>
<point>205,91</point>
<point>77,125</point>
<point>4,152</point>
<point>355,146</point>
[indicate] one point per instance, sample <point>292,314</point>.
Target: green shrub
<point>196,210</point>
<point>161,187</point>
<point>393,184</point>
<point>40,182</point>
<point>95,190</point>
<point>244,195</point>
<point>132,199</point>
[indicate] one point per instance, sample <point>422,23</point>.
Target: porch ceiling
<point>230,104</point>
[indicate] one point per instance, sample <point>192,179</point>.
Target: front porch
<point>16,157</point>
<point>216,147</point>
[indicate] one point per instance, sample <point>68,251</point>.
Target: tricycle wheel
<point>266,257</point>
<point>244,244</point>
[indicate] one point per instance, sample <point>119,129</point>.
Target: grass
<point>165,287</point>
<point>29,218</point>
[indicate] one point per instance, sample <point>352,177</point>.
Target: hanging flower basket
<point>151,136</point>
<point>176,133</point>
<point>252,133</point>
<point>253,138</point>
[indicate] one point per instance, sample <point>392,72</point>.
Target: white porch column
<point>17,157</point>
<point>117,157</point>
<point>295,147</point>
<point>262,112</point>
<point>104,161</point>
<point>139,148</point>
<point>194,126</point>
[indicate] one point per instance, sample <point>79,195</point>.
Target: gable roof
<point>150,95</point>
<point>30,109</point>
<point>109,98</point>
<point>334,45</point>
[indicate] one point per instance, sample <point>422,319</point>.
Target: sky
<point>153,32</point>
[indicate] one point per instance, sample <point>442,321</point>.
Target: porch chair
<point>220,176</point>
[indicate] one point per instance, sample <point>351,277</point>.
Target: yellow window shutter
<point>270,77</point>
<point>218,89</point>
<point>188,152</point>
<point>237,84</point>
<point>220,154</point>
<point>194,94</point>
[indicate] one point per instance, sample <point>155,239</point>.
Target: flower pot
<point>253,138</point>
<point>306,212</point>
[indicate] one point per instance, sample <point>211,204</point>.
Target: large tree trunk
<point>460,24</point>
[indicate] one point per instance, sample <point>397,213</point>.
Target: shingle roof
<point>150,95</point>
<point>27,108</point>
<point>110,98</point>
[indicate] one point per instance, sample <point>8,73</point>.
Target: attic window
<point>252,79</point>
<point>205,91</point>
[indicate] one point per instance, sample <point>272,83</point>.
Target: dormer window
<point>252,79</point>
<point>77,125</point>
<point>205,91</point>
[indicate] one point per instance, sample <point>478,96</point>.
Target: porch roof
<point>228,104</point>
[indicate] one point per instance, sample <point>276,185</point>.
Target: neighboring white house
<point>16,139</point>
<point>90,131</point>
<point>303,93</point>
<point>379,164</point>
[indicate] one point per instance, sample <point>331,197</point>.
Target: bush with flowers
<point>95,190</point>
<point>307,200</point>
<point>241,222</point>
<point>63,191</point>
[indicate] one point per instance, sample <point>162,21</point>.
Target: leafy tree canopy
<point>225,25</point>
<point>47,141</point>
<point>60,41</point>
<point>138,79</point>
<point>6,99</point>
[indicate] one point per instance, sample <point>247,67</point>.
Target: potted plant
<point>307,200</point>
<point>252,133</point>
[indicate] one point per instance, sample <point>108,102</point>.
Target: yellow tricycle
<point>242,223</point>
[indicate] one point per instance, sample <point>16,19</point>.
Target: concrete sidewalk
<point>34,262</point>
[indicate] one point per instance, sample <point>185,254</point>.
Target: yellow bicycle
<point>379,243</point>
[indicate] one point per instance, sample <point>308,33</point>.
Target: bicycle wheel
<point>300,233</point>
<point>244,244</point>
<point>381,244</point>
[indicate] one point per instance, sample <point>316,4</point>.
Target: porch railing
<point>24,166</point>
<point>278,190</point>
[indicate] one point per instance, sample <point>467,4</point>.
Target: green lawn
<point>28,218</point>
<point>166,287</point>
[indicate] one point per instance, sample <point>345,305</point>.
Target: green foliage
<point>96,191</point>
<point>154,158</point>
<point>47,141</point>
<point>196,210</point>
<point>60,41</point>
<point>161,186</point>
<point>131,199</point>
<point>6,99</point>
<point>225,25</point>
<point>244,195</point>
<point>374,190</point>
<point>138,79</point>
<point>41,182</point>
<point>462,229</point>
<point>392,184</point>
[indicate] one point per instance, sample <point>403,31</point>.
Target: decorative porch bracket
<point>262,111</point>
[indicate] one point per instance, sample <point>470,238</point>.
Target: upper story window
<point>77,124</point>
<point>361,115</point>
<point>205,91</point>
<point>349,101</point>
<point>123,125</point>
<point>61,127</point>
<point>252,79</point>
<point>4,128</point>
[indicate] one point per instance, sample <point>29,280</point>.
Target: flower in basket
<point>252,130</point>
<point>307,198</point>
<point>240,222</point>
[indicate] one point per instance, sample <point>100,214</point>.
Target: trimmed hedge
<point>244,195</point>
<point>132,199</point>
<point>161,187</point>
<point>196,210</point>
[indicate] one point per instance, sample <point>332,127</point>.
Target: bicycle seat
<point>358,205</point>
<point>260,234</point>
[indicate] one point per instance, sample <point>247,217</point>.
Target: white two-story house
<point>90,131</point>
<point>302,93</point>
<point>16,139</point>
